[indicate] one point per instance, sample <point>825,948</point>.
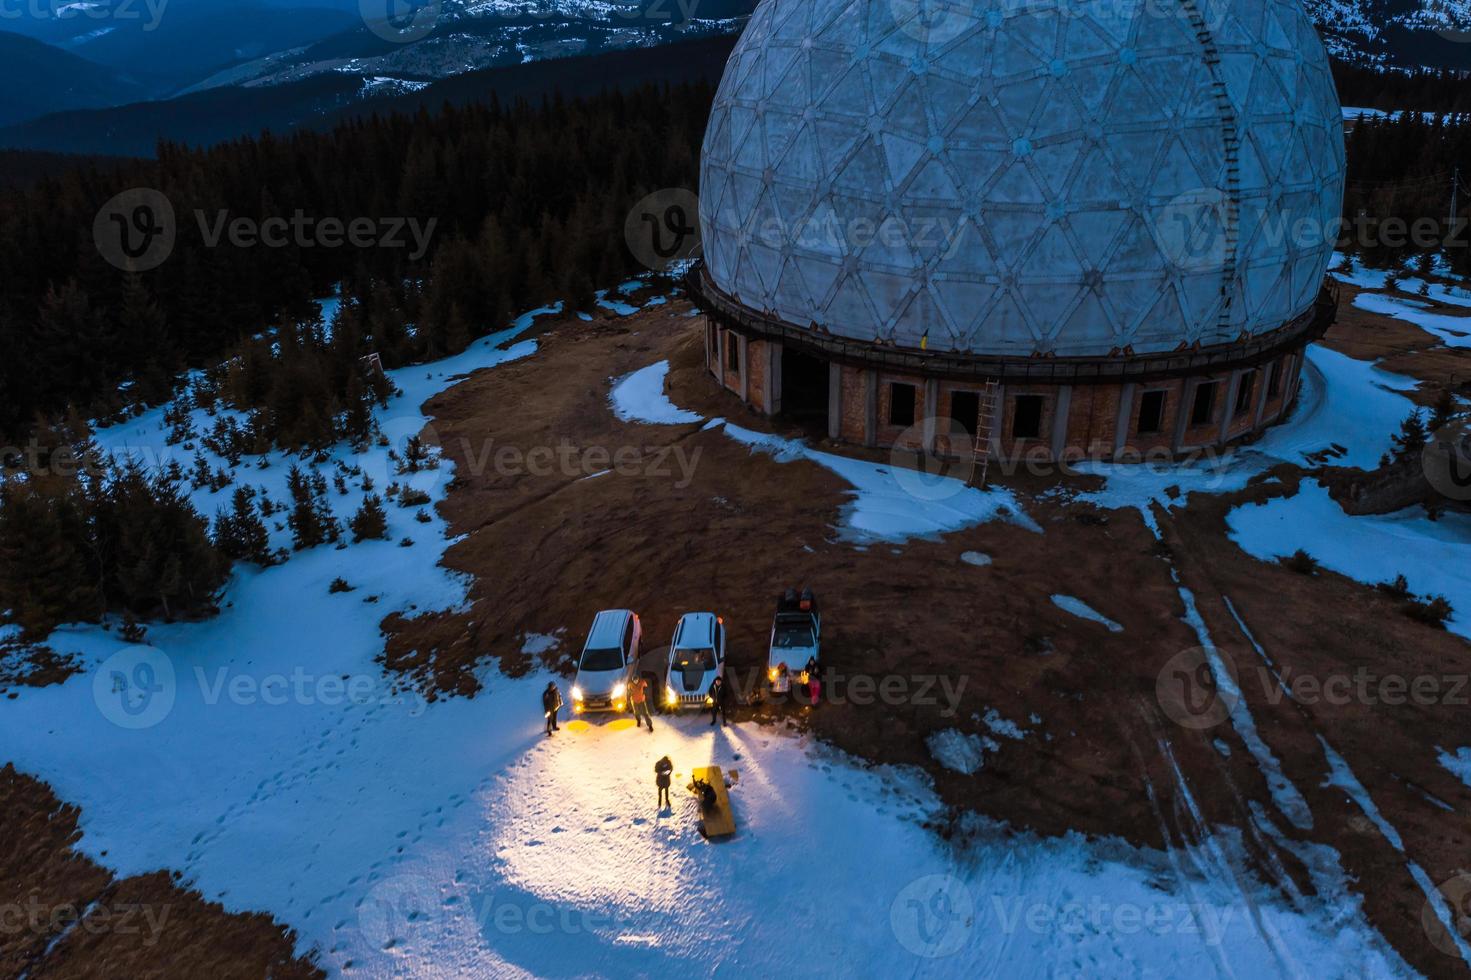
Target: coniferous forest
<point>527,204</point>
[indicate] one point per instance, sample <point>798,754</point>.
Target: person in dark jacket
<point>719,700</point>
<point>662,769</point>
<point>551,703</point>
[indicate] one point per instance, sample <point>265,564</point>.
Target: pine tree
<point>304,519</point>
<point>44,576</point>
<point>370,521</point>
<point>1412,436</point>
<point>240,533</point>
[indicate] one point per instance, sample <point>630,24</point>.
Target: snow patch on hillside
<point>1433,556</point>
<point>1079,608</point>
<point>639,397</point>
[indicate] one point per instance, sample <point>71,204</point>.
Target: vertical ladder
<point>980,450</point>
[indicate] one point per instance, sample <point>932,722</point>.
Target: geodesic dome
<point>1025,178</point>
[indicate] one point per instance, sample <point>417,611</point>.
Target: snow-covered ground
<point>1079,608</point>
<point>1453,331</point>
<point>1434,556</point>
<point>264,755</point>
<point>888,503</point>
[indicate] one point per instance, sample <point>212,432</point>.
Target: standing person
<point>662,769</point>
<point>551,703</point>
<point>814,681</point>
<point>719,696</point>
<point>638,699</point>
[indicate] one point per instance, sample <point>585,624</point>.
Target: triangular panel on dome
<point>901,153</point>
<point>716,148</point>
<point>1094,84</point>
<point>932,183</point>
<point>1062,113</point>
<point>965,303</point>
<point>1166,75</point>
<point>1097,181</point>
<point>889,292</point>
<point>1087,37</point>
<point>1017,103</point>
<point>1175,173</point>
<point>1306,280</point>
<point>1056,163</point>
<point>1165,325</point>
<point>850,312</point>
<point>889,246</point>
<point>1005,329</point>
<point>800,162</point>
<point>1010,231</point>
<point>1017,186</point>
<point>1094,231</point>
<point>1266,286</point>
<point>1089,325</point>
<point>1136,250</point>
<point>1049,303</point>
<point>820,273</point>
<point>848,97</point>
<point>1010,59</point>
<point>742,203</point>
<point>979,125</point>
<point>964,53</point>
<point>1207,150</point>
<point>864,172</point>
<point>1200,296</point>
<point>966,253</point>
<point>765,262</point>
<point>917,319</point>
<point>932,228</point>
<point>1052,256</point>
<point>792,297</point>
<point>887,79</point>
<point>1134,100</point>
<point>1131,299</point>
<point>1236,70</point>
<point>946,99</point>
<point>1134,155</point>
<point>778,128</point>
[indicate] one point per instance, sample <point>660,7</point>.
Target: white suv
<point>696,658</point>
<point>608,659</point>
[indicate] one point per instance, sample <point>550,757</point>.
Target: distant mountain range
<point>113,76</point>
<point>1396,33</point>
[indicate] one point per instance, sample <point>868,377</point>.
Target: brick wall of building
<point>1093,411</point>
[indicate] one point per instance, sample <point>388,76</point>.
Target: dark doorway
<point>1026,420</point>
<point>1151,412</point>
<point>804,390</point>
<point>965,410</point>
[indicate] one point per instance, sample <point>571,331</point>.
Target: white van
<point>608,659</point>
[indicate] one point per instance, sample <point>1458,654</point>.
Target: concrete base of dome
<point>1230,395</point>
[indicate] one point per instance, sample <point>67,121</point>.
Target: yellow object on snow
<point>718,820</point>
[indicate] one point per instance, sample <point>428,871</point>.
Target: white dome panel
<point>1024,179</point>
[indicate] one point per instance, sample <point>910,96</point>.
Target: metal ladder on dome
<point>980,449</point>
<point>1231,144</point>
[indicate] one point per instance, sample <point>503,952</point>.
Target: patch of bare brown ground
<point>1400,346</point>
<point>546,550</point>
<point>63,916</point>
